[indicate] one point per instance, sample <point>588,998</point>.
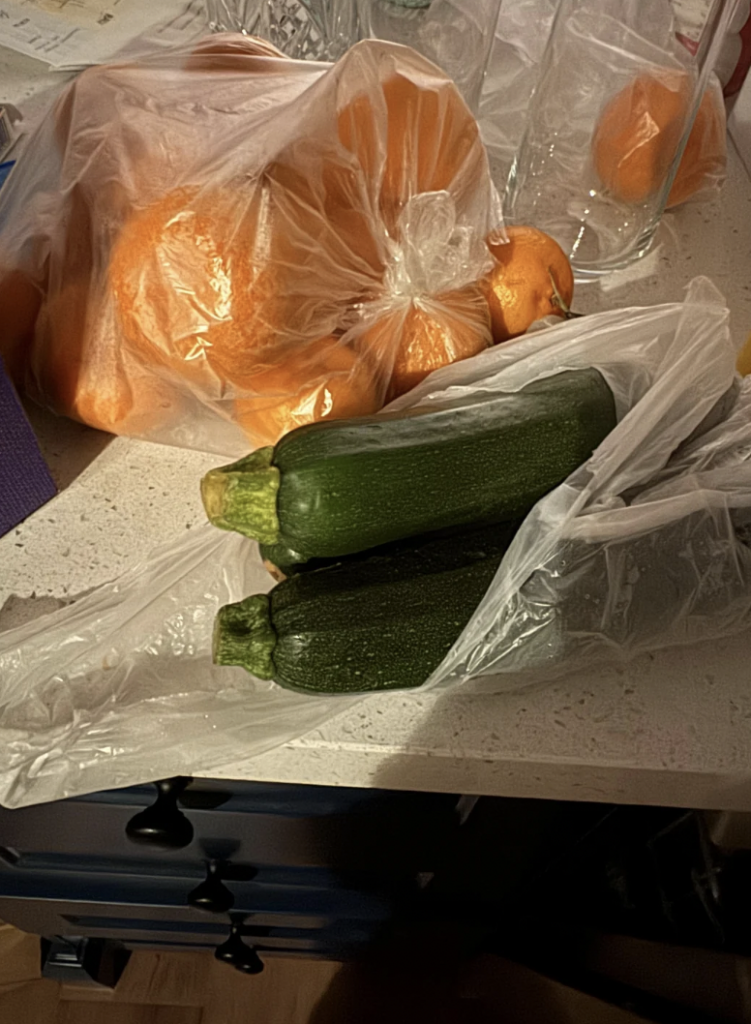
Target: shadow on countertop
<point>68,447</point>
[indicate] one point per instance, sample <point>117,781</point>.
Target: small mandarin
<point>638,133</point>
<point>522,286</point>
<point>428,335</point>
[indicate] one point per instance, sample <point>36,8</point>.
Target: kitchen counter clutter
<point>672,727</point>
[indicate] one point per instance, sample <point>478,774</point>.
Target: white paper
<point>75,33</point>
<point>690,18</point>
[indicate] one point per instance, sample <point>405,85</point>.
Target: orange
<point>192,294</point>
<point>323,380</point>
<point>428,334</point>
<point>77,369</point>
<point>520,288</point>
<point>60,358</point>
<point>417,138</point>
<point>20,301</point>
<point>704,159</point>
<point>66,375</point>
<point>74,364</point>
<point>638,133</point>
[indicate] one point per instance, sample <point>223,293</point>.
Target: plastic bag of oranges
<point>213,247</point>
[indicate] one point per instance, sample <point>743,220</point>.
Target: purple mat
<point>25,481</point>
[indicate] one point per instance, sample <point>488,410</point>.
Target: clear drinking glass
<point>457,35</point>
<point>618,91</point>
<point>302,29</point>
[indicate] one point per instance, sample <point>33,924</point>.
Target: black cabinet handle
<point>212,895</point>
<point>238,954</point>
<point>163,824</point>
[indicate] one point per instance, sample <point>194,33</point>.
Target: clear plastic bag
<point>645,545</point>
<point>199,241</point>
<point>642,547</point>
<point>119,687</point>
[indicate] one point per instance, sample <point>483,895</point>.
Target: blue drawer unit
<point>5,170</point>
<point>233,867</point>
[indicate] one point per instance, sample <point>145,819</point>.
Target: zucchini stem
<point>243,635</point>
<point>242,496</point>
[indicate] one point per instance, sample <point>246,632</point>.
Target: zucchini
<point>336,488</point>
<point>381,622</point>
<point>282,561</point>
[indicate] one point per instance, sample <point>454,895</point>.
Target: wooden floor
<point>193,988</point>
<point>160,988</point>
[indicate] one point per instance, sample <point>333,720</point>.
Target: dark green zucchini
<point>335,488</point>
<point>282,561</point>
<point>380,622</point>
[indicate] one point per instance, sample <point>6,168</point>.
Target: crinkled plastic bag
<point>199,243</point>
<point>644,546</point>
<point>119,687</point>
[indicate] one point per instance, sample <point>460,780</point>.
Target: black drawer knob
<point>163,824</point>
<point>238,954</point>
<point>212,895</point>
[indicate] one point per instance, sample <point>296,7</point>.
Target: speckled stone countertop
<point>672,728</point>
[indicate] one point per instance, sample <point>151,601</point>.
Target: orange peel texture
<point>522,286</point>
<point>190,292</point>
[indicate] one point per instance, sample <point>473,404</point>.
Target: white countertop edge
<point>545,780</point>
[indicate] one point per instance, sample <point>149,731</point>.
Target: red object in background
<point>734,83</point>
